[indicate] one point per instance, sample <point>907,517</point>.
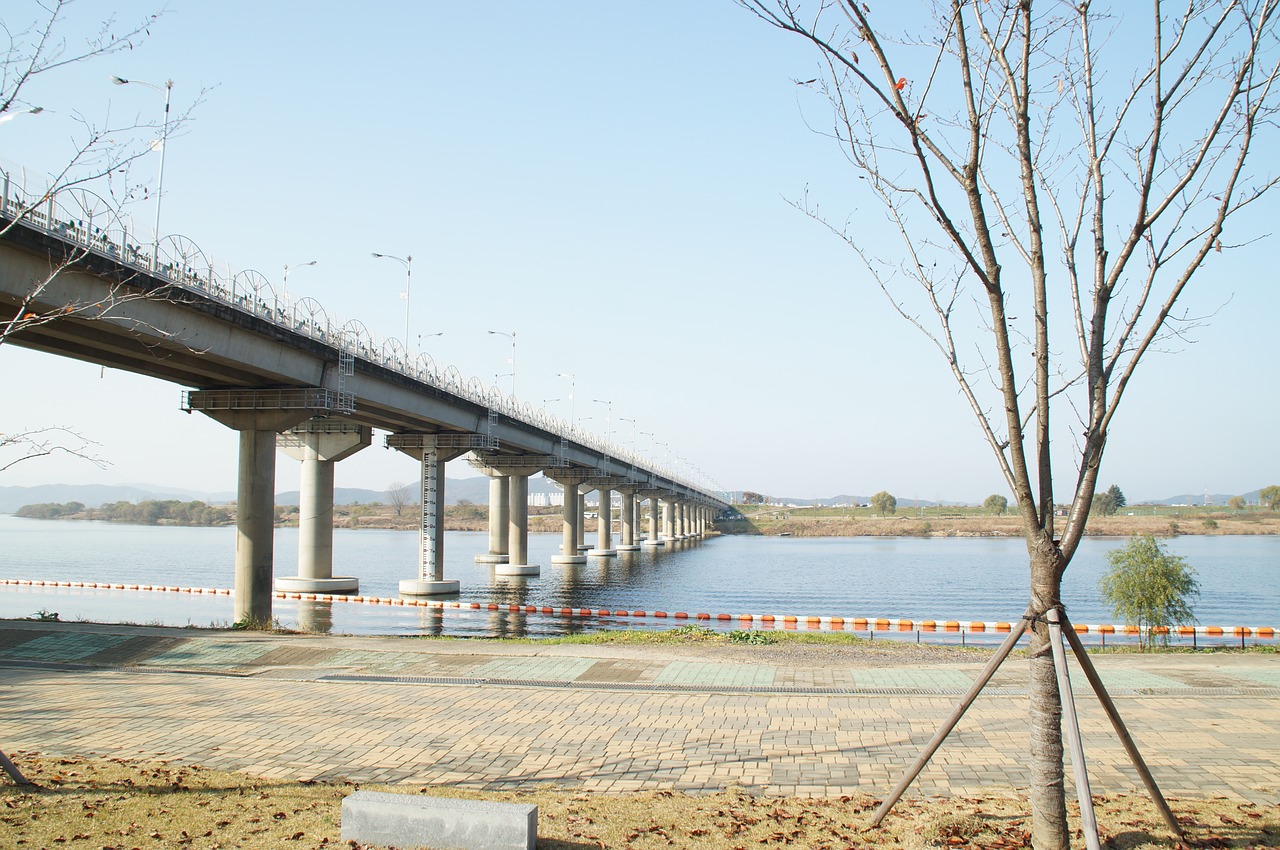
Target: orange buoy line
<point>785,621</point>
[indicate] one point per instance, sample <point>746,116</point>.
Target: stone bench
<point>412,820</point>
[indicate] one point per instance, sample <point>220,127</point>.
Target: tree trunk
<point>1047,794</point>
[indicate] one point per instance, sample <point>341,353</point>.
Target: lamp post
<point>608,416</point>
<point>407,262</point>
<point>511,336</point>
<point>285,282</point>
<point>166,90</point>
<point>633,431</point>
<point>572,382</point>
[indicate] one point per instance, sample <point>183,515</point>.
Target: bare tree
<point>401,496</point>
<point>1067,164</point>
<point>81,202</point>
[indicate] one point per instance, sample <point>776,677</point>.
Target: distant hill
<point>94,495</point>
<point>1215,499</point>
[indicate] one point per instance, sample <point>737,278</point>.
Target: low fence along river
<point>964,579</point>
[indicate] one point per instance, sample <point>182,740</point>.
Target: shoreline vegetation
<point>946,521</point>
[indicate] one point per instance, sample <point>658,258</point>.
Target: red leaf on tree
<point>900,84</point>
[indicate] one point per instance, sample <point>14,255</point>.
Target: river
<point>963,579</point>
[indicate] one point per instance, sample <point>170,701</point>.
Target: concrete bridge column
<point>435,450</point>
<point>499,520</point>
<point>516,469</point>
<point>604,525</point>
<point>628,521</point>
<point>571,480</point>
<point>654,539</point>
<point>571,526</point>
<point>258,415</point>
<point>582,519</point>
<point>668,520</point>
<point>319,444</point>
<point>518,529</point>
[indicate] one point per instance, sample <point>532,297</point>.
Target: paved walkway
<point>608,718</point>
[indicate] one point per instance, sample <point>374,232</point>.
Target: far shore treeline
<point>765,520</point>
<point>149,512</point>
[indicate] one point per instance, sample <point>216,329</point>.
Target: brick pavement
<point>607,718</point>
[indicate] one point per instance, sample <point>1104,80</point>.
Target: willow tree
<point>1056,174</point>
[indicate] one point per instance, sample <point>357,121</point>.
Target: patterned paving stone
<point>196,653</point>
<point>65,646</point>
<point>917,677</point>
<point>535,669</point>
<point>717,675</point>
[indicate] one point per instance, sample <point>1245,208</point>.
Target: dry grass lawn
<point>117,804</point>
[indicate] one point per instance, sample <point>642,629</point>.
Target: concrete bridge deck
<point>494,715</point>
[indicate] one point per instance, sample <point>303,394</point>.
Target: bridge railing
<point>80,217</point>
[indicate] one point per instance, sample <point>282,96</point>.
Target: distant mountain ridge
<point>94,495</point>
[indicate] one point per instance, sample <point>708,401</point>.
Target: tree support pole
<point>950,723</point>
<point>12,769</point>
<point>1088,820</point>
<point>1122,732</point>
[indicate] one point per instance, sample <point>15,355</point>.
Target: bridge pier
<point>571,480</point>
<point>654,538</point>
<point>499,519</point>
<point>627,520</point>
<point>435,450</point>
<point>604,522</point>
<point>516,469</point>
<point>258,415</point>
<point>319,444</point>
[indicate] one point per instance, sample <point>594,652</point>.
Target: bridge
<point>75,282</point>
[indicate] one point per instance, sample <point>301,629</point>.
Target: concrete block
<point>408,821</point>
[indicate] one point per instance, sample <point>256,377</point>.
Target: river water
<point>963,579</point>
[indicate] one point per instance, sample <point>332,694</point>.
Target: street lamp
<point>572,382</point>
<point>608,416</point>
<point>633,431</point>
<point>285,282</point>
<point>407,262</point>
<point>511,336</point>
<point>164,144</point>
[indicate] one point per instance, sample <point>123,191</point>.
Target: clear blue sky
<point>609,181</point>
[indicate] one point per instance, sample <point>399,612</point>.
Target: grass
<point>121,804</point>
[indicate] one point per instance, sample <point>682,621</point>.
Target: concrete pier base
<point>488,558</point>
<point>505,569</point>
<point>568,559</point>
<point>337,584</point>
<point>602,553</point>
<point>426,587</point>
<point>628,547</point>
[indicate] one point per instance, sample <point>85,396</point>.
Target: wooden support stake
<point>12,769</point>
<point>1122,732</point>
<point>950,723</point>
<point>1088,821</point>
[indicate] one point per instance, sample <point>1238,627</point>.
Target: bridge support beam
<point>258,415</point>
<point>319,444</point>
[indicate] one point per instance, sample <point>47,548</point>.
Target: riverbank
<point>1159,521</point>
<point>802,522</point>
